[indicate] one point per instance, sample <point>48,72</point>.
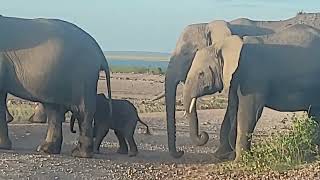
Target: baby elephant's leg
<point>129,137</point>
<point>100,133</point>
<point>123,149</point>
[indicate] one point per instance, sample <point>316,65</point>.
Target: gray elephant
<point>123,122</point>
<point>196,37</point>
<point>57,64</point>
<point>279,71</point>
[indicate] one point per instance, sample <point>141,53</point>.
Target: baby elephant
<point>123,122</point>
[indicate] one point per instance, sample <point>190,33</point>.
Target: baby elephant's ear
<point>230,51</point>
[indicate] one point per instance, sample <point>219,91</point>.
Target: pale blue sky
<point>150,25</point>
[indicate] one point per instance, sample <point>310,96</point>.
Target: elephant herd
<point>272,64</point>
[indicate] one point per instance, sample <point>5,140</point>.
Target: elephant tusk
<point>193,101</point>
<point>184,113</point>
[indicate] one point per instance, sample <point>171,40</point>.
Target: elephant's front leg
<point>249,111</point>
<point>228,129</point>
<point>5,142</point>
<point>85,144</point>
<point>53,141</point>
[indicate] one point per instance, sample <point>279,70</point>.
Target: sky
<point>150,25</point>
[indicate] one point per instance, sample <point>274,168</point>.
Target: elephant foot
<point>122,151</point>
<point>6,144</point>
<point>78,152</point>
<point>132,153</point>
<point>49,148</point>
<point>177,154</point>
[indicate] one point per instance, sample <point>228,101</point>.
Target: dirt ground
<point>153,160</point>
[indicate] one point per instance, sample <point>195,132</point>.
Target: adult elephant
<point>193,38</point>
<point>57,64</point>
<point>279,71</point>
<point>196,37</point>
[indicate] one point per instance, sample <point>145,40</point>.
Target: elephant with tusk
<point>279,71</point>
<point>193,39</point>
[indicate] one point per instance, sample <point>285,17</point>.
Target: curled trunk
<point>190,105</point>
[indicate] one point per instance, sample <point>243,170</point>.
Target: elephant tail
<point>72,120</point>
<point>148,131</point>
<point>106,69</point>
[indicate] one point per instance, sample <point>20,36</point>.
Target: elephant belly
<point>296,101</point>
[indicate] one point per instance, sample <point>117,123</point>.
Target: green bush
<point>284,150</point>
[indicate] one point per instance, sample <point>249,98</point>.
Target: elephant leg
<point>129,137</point>
<point>314,112</point>
<point>5,142</point>
<point>123,147</point>
<point>228,131</point>
<point>53,141</point>
<point>249,111</point>
<point>133,146</point>
<point>100,134</point>
<point>85,143</point>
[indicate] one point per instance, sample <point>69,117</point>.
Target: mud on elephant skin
<point>261,71</point>
<point>54,46</point>
<point>123,122</point>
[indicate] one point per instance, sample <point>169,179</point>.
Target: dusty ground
<point>153,160</point>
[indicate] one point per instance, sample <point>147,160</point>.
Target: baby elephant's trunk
<point>148,131</point>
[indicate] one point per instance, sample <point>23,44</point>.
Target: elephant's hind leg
<point>53,141</point>
<point>132,144</point>
<point>5,142</point>
<point>85,144</point>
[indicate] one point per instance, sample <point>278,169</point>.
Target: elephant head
<point>194,38</point>
<point>210,72</point>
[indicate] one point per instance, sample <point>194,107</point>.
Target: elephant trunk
<point>190,105</point>
<point>170,98</point>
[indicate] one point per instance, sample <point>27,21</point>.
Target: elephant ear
<point>229,50</point>
<point>219,30</point>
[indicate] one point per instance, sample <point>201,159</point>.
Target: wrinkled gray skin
<point>57,64</point>
<point>196,37</point>
<point>279,71</point>
<point>123,122</point>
